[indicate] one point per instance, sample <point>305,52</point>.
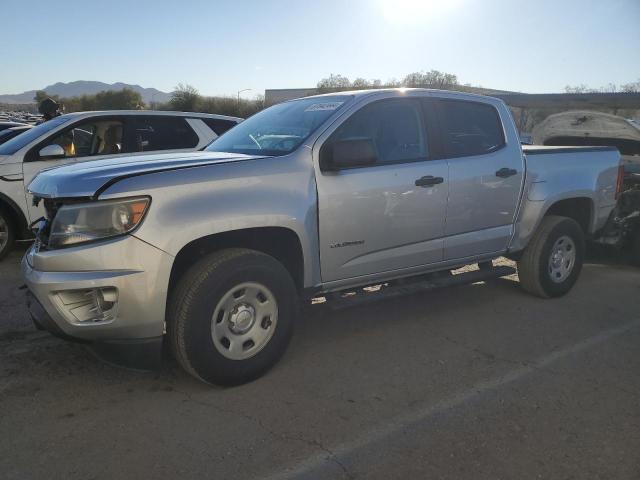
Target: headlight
<point>86,222</point>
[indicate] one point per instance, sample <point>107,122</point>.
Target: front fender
<point>193,203</point>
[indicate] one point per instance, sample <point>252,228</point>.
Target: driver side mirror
<point>349,153</point>
<point>52,151</point>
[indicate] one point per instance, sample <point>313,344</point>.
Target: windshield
<point>280,129</point>
<point>25,138</point>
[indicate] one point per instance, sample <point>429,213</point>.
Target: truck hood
<point>88,178</point>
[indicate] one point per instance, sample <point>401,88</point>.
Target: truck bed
<point>557,172</point>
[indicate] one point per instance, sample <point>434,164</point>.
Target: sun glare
<point>410,11</point>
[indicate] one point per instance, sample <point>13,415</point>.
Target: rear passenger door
<point>485,177</point>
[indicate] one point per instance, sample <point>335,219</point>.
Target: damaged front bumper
<point>110,295</point>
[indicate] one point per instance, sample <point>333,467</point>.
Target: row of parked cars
<point>20,116</point>
<point>8,130</point>
<point>13,123</point>
<point>213,252</point>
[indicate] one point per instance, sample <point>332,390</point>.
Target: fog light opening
<point>104,299</point>
<point>90,306</point>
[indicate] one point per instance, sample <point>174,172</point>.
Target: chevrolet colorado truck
<point>214,252</point>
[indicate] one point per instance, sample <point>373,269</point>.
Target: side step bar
<point>351,298</point>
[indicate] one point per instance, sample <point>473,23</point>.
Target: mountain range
<point>84,87</point>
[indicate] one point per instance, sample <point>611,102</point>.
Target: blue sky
<point>223,46</point>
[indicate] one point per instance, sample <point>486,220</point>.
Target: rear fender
<point>535,206</point>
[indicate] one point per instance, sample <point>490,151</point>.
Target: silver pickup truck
<point>214,252</point>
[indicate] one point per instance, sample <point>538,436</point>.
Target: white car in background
<point>90,136</point>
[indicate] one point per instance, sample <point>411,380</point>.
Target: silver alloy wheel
<point>4,233</point>
<point>244,321</point>
<point>562,259</point>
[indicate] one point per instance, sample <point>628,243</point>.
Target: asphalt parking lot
<point>480,381</point>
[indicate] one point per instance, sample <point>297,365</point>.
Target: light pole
<point>239,92</point>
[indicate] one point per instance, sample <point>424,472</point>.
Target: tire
<point>7,233</point>
<point>224,303</point>
<point>552,261</point>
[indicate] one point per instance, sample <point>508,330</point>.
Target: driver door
<point>389,216</point>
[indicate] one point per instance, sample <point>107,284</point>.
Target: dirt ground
<point>481,381</point>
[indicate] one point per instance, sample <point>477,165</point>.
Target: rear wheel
<point>232,316</point>
<point>551,263</point>
<point>7,233</point>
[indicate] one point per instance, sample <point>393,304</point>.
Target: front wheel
<point>551,263</point>
<point>232,316</point>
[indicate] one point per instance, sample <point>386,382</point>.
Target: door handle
<point>506,172</point>
<point>429,181</point>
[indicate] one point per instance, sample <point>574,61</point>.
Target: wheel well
<point>17,217</point>
<point>281,243</point>
<point>579,209</point>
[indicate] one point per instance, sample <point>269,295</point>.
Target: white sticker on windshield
<point>319,107</point>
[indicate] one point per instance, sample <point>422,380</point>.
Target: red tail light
<point>620,181</point>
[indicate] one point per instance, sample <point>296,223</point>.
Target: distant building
<point>278,95</point>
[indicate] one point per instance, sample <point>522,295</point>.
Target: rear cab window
<point>469,128</point>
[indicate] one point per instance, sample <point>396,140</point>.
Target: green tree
<point>633,87</point>
<point>333,83</point>
<point>185,98</point>
<point>230,106</point>
<point>361,83</point>
<point>431,79</point>
<point>41,95</point>
<point>125,99</point>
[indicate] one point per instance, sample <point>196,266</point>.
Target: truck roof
<point>402,90</point>
<point>153,113</point>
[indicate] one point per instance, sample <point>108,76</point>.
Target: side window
<point>103,137</point>
<point>217,125</point>
<point>150,134</point>
<point>395,126</point>
<point>469,128</point>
